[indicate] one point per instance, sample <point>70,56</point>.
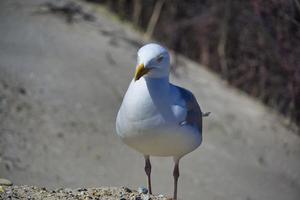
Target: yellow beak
<point>140,71</point>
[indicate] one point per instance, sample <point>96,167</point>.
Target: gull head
<point>153,61</point>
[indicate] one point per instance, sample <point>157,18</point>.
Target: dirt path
<point>61,86</point>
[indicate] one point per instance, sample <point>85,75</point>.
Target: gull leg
<point>148,172</point>
<point>176,176</point>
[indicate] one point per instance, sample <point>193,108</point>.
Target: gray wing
<point>194,113</point>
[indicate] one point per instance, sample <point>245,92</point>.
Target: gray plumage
<point>194,113</point>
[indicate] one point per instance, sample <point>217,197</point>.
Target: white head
<point>153,61</point>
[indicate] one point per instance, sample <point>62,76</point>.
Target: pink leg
<point>148,172</point>
<point>176,176</point>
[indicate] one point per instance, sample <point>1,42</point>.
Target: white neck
<point>159,90</point>
<point>158,86</point>
<point>149,94</point>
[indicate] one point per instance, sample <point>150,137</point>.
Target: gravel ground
<point>109,193</point>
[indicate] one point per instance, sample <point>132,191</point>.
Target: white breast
<point>152,130</point>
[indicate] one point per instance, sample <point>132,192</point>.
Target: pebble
<point>143,190</point>
<point>22,91</point>
<point>146,197</point>
<point>81,189</point>
<point>68,190</point>
<point>127,190</point>
<point>5,182</point>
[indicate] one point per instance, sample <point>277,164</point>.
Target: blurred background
<point>66,64</point>
<point>251,44</point>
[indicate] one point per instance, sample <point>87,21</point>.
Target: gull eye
<point>159,58</point>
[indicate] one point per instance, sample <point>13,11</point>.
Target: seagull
<point>157,118</point>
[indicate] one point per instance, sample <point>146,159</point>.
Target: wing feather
<point>193,112</point>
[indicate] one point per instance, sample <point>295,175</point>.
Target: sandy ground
<point>61,85</point>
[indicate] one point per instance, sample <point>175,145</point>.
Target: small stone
<point>81,189</point>
<point>127,190</point>
<point>143,190</point>
<point>1,189</point>
<point>5,182</point>
<point>22,91</point>
<point>60,135</point>
<point>146,197</point>
<point>68,190</point>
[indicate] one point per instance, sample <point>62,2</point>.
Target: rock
<point>5,182</point>
<point>127,190</point>
<point>146,197</point>
<point>143,190</point>
<point>22,90</point>
<point>81,189</point>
